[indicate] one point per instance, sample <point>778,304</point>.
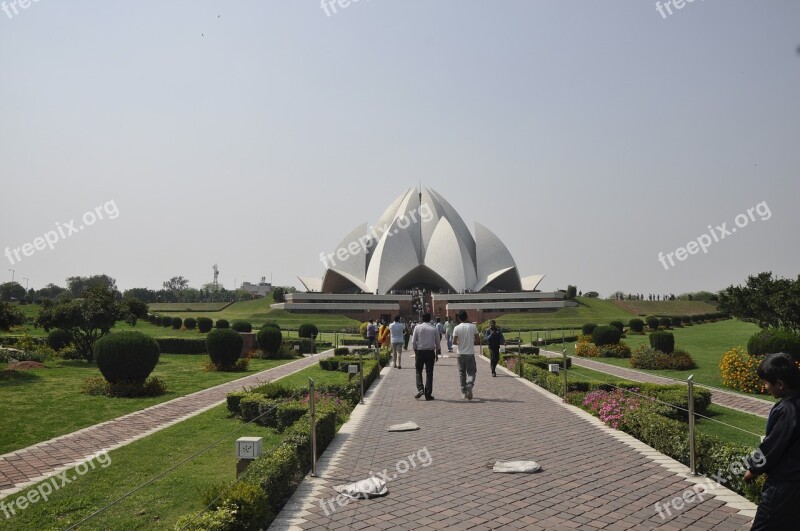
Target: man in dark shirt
<point>494,338</point>
<point>779,506</point>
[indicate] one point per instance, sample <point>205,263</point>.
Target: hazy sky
<point>589,136</point>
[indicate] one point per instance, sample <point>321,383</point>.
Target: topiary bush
<point>770,341</point>
<point>269,340</point>
<point>58,339</point>
<point>177,323</point>
<point>645,357</point>
<point>242,326</point>
<point>606,335</point>
<point>676,321</point>
<point>636,325</point>
<point>652,322</point>
<point>204,324</point>
<point>588,328</point>
<point>686,320</point>
<point>166,321</point>
<point>663,341</point>
<point>190,323</point>
<point>224,346</point>
<point>587,350</point>
<point>126,356</point>
<point>664,321</point>
<point>615,350</point>
<point>697,319</point>
<point>307,330</point>
<point>222,324</point>
<point>618,324</point>
<point>153,318</point>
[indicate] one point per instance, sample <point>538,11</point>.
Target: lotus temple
<point>420,256</point>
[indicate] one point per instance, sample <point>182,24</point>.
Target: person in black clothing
<point>494,338</point>
<point>779,505</point>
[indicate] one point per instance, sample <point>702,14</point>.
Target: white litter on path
<point>406,426</point>
<point>366,488</point>
<point>516,467</point>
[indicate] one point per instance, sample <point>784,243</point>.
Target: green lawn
<point>168,307</point>
<point>705,342</point>
<point>37,405</point>
<point>589,311</point>
<point>670,308</point>
<point>160,504</point>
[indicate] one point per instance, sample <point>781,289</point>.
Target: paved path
<point>593,477</point>
<point>747,404</point>
<point>22,468</point>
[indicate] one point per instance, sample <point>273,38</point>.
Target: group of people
<point>426,341</point>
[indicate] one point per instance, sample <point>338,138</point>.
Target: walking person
<point>779,453</point>
<point>372,333</point>
<point>396,330</point>
<point>494,338</point>
<point>426,343</point>
<point>465,335</point>
<point>406,334</point>
<point>440,328</point>
<point>449,325</point>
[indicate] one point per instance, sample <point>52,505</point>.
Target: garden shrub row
<point>182,345</point>
<point>662,427</point>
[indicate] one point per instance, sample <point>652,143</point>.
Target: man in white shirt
<point>465,335</point>
<point>426,343</point>
<point>396,333</point>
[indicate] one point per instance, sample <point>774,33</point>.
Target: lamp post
<point>26,283</point>
<point>12,275</point>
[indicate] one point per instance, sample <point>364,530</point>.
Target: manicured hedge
<point>182,345</point>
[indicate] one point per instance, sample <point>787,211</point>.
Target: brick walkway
<point>593,477</point>
<point>24,467</point>
<point>747,404</point>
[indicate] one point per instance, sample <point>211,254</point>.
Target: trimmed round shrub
<point>242,326</point>
<point>190,323</point>
<point>697,318</point>
<point>652,322</point>
<point>645,357</point>
<point>664,321</point>
<point>204,324</point>
<point>224,346</point>
<point>126,356</point>
<point>676,321</point>
<point>617,324</point>
<point>686,320</point>
<point>362,329</point>
<point>223,324</point>
<point>606,335</point>
<point>273,324</point>
<point>153,318</point>
<point>269,340</point>
<point>307,330</point>
<point>663,341</point>
<point>166,321</point>
<point>58,339</point>
<point>770,341</point>
<point>637,325</point>
<point>177,323</point>
<point>588,328</point>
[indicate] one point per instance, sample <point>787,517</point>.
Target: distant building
<point>262,289</point>
<point>420,256</point>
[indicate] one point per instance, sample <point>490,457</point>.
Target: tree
<point>51,291</point>
<point>10,316</point>
<point>11,291</point>
<point>86,319</point>
<point>176,284</point>
<point>591,294</point>
<point>279,294</point>
<point>143,294</point>
<point>78,285</point>
<point>769,302</point>
<point>571,291</point>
